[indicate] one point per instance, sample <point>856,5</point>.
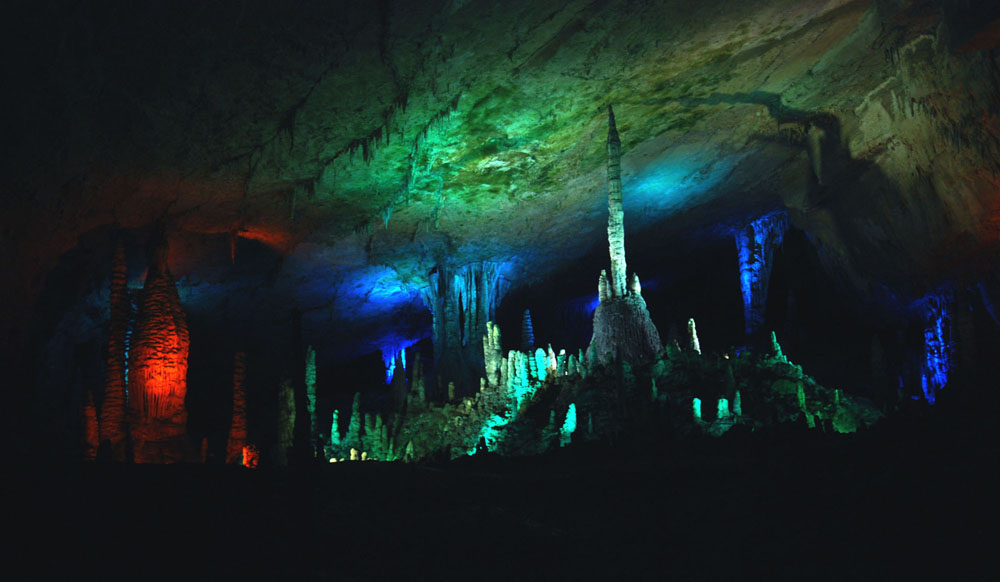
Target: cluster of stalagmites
<point>529,403</point>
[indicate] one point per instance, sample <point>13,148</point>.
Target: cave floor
<point>787,504</point>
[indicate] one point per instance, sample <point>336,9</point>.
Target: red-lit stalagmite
<point>238,428</point>
<point>158,365</point>
<point>112,418</point>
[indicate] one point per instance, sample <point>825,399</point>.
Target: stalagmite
<point>492,353</point>
<point>158,368</point>
<point>693,335</point>
<point>527,332</point>
<point>722,409</point>
<point>696,408</point>
<point>91,432</point>
<point>314,439</point>
<point>738,404</point>
<point>112,418</point>
<point>776,348</point>
<point>616,214</point>
<point>238,428</point>
<point>568,427</point>
<point>623,329</point>
<point>286,423</point>
<point>335,429</point>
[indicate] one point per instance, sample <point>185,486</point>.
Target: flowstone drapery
<point>158,366</point>
<point>623,329</point>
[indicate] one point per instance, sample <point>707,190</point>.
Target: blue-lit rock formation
<point>938,343</point>
<point>755,245</point>
<point>623,330</point>
<point>462,301</point>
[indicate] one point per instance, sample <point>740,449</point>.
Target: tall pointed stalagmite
<point>622,327</point>
<point>158,363</point>
<point>238,429</point>
<point>616,214</point>
<point>112,416</point>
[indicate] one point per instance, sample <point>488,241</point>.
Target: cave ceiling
<point>363,145</point>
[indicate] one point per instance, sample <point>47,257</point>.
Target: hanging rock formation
<point>238,429</point>
<point>755,245</point>
<point>461,303</point>
<point>622,327</point>
<point>158,368</point>
<point>112,417</point>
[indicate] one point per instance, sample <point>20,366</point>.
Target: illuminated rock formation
<point>623,329</point>
<point>112,417</point>
<point>616,214</point>
<point>693,336</point>
<point>158,363</point>
<point>755,244</point>
<point>461,303</point>
<point>238,428</point>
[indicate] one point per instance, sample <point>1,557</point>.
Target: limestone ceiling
<point>367,145</point>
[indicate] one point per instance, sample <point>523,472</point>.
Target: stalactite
<point>91,432</point>
<point>461,303</point>
<point>158,368</point>
<point>238,428</point>
<point>755,244</point>
<point>527,332</point>
<point>112,418</point>
<point>616,223</point>
<point>315,443</point>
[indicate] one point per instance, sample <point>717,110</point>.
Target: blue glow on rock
<point>755,245</point>
<point>389,352</point>
<point>938,343</point>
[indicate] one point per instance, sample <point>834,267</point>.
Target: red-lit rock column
<point>112,418</point>
<point>238,428</point>
<point>158,365</point>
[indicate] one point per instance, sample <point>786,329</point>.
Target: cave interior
<point>602,288</point>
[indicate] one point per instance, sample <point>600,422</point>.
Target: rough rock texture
<point>401,133</point>
<point>238,428</point>
<point>623,331</point>
<point>112,417</point>
<point>158,365</point>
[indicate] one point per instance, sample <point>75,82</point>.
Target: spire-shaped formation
<point>622,327</point>
<point>616,215</point>
<point>158,368</point>
<point>112,417</point>
<point>238,428</point>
